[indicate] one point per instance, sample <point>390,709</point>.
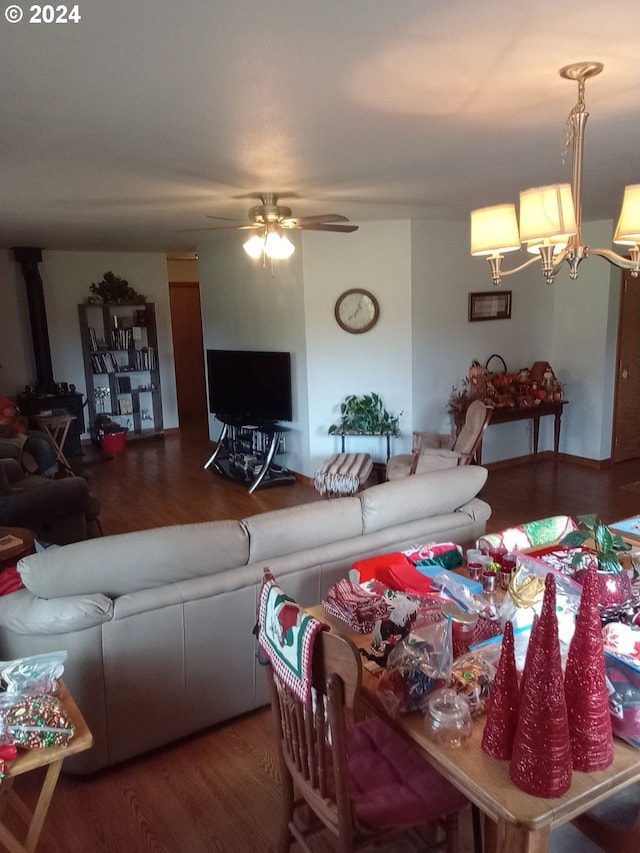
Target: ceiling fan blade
<point>301,221</point>
<point>326,226</point>
<point>219,228</point>
<point>225,218</point>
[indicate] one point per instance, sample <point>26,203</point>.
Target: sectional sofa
<point>158,623</point>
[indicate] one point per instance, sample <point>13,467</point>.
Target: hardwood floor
<point>218,791</point>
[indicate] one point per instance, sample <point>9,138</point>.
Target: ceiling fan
<point>270,219</point>
<point>269,212</point>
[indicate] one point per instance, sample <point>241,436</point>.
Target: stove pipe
<point>29,258</point>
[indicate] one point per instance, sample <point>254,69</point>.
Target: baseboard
<point>545,455</point>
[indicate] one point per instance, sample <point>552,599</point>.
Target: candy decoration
<point>541,757</point>
<point>585,685</point>
<point>38,721</point>
<point>504,702</point>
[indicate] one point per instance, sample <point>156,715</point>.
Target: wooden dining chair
<point>359,778</point>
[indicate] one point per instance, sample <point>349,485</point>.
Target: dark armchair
<point>58,511</point>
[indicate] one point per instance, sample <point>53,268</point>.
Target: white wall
<point>246,306</point>
<point>17,365</point>
<point>584,348</point>
<point>376,258</point>
<point>422,273</point>
<point>66,278</point>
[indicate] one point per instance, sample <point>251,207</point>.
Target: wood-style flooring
<point>218,791</point>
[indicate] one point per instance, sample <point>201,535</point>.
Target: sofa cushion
<point>420,496</point>
<point>117,565</point>
<point>297,528</point>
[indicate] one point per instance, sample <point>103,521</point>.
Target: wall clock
<point>357,311</point>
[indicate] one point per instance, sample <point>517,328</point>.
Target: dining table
<point>513,820</point>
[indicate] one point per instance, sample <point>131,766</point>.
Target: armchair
<point>58,511</point>
<point>432,451</point>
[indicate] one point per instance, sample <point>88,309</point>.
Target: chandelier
<point>269,243</point>
<point>550,217</point>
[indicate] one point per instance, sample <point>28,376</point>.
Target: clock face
<point>357,311</point>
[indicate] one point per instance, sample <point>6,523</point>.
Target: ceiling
<point>123,131</point>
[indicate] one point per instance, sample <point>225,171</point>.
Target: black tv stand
<point>246,451</point>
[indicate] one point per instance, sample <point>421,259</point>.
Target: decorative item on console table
<point>604,548</point>
<point>504,389</point>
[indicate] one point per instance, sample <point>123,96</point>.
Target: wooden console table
<point>534,413</point>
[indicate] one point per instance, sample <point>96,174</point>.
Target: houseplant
<point>365,414</point>
<point>605,547</point>
<point>114,289</point>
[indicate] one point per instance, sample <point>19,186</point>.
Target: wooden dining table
<point>515,822</point>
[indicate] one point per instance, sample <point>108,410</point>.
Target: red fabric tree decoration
<point>541,757</point>
<point>585,685</point>
<point>504,702</point>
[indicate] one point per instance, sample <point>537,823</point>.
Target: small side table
<point>50,757</point>
<point>57,427</point>
<point>10,556</point>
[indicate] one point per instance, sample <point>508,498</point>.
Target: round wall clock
<point>357,311</point>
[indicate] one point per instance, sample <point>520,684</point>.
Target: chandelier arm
<point>528,263</point>
<point>617,260</point>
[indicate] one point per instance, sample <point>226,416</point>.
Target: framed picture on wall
<point>489,305</point>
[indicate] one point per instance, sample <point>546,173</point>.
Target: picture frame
<point>489,305</point>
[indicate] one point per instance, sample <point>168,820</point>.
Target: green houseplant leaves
<point>597,536</point>
<point>365,414</point>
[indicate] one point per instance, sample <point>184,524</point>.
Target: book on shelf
<point>123,384</point>
<point>9,541</point>
<point>126,406</point>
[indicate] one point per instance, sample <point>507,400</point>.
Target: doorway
<point>626,411</point>
<point>188,352</point>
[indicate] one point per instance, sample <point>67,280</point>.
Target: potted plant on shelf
<point>365,414</point>
<point>603,547</point>
<point>115,290</point>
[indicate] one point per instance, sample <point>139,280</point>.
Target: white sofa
<point>158,623</point>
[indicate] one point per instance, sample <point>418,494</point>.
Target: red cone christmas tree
<point>585,686</point>
<point>541,757</point>
<point>504,702</point>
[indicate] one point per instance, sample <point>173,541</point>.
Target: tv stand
<point>246,452</point>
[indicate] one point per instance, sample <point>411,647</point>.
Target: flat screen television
<point>249,385</point>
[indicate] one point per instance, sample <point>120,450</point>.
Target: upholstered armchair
<point>58,511</point>
<point>432,451</point>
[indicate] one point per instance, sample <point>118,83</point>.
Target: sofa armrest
<point>22,612</point>
<point>34,501</point>
<point>10,473</point>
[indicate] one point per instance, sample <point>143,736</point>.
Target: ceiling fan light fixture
<point>254,247</point>
<point>278,247</point>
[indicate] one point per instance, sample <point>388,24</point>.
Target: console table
<point>387,435</point>
<point>534,413</point>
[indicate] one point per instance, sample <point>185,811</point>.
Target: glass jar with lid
<point>448,718</point>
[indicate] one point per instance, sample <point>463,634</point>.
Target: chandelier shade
<point>628,228</point>
<point>494,229</point>
<point>547,214</point>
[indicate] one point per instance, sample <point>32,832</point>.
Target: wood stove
<point>46,395</point>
